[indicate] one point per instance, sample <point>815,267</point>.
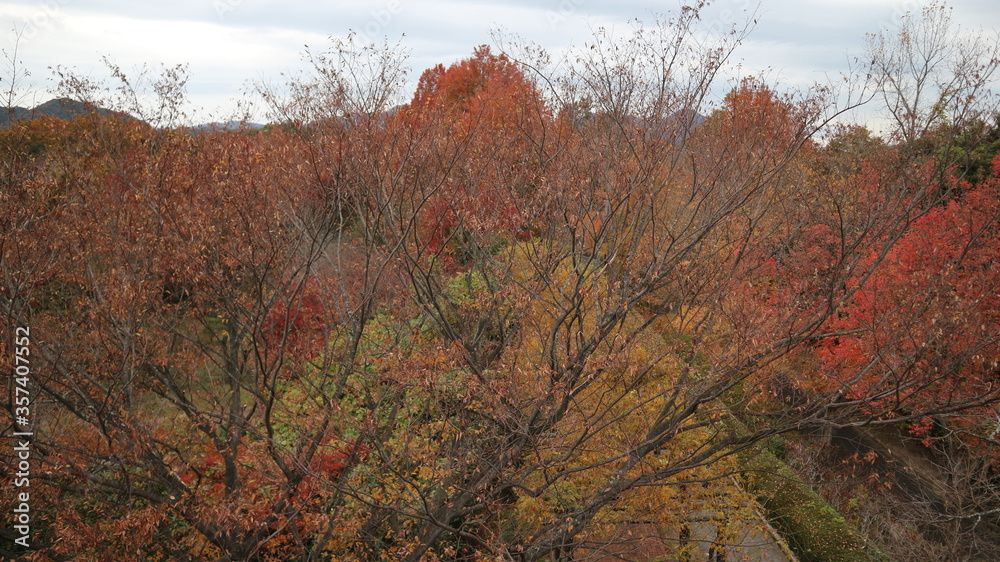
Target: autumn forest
<point>537,309</point>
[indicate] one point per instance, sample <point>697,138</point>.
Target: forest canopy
<point>530,309</point>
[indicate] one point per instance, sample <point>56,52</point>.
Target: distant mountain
<point>61,108</point>
<point>228,126</point>
<point>15,113</point>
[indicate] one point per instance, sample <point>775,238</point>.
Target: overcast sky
<point>227,43</point>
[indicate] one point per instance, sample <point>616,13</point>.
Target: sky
<point>228,45</point>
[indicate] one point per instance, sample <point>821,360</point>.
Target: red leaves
<point>298,321</point>
<point>468,85</point>
<point>488,116</point>
<point>757,123</point>
<point>328,465</point>
<point>924,327</point>
<point>331,461</point>
<point>437,223</point>
<point>206,471</point>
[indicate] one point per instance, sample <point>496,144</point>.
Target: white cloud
<point>227,42</point>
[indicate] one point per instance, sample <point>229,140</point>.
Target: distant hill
<point>227,126</point>
<point>62,108</point>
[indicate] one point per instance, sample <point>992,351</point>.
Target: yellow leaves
<point>529,513</point>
